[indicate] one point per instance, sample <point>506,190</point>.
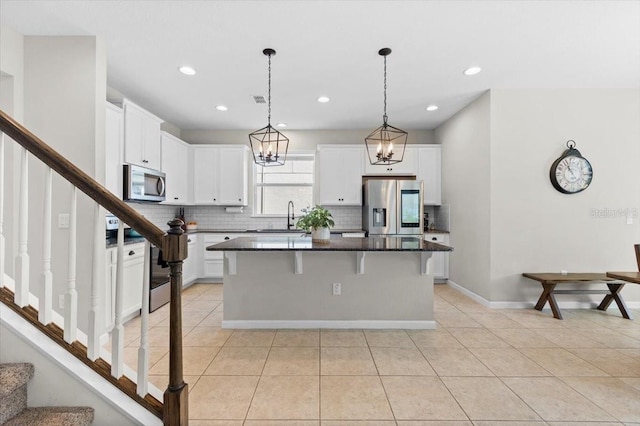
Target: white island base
<point>294,289</point>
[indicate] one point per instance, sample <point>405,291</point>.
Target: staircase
<point>13,402</point>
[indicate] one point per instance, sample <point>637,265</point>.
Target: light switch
<point>629,220</point>
<point>63,220</point>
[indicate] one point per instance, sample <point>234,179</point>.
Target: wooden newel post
<point>176,397</point>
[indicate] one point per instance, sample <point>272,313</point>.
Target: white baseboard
<point>259,324</point>
<point>566,304</point>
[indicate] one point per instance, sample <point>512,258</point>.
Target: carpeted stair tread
<point>13,376</point>
<point>53,416</point>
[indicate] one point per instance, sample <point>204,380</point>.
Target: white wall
<point>64,91</point>
<point>497,153</point>
<point>533,226</point>
<point>465,140</point>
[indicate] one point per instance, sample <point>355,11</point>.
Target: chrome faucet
<point>290,217</point>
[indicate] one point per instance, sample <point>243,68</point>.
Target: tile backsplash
<point>213,217</point>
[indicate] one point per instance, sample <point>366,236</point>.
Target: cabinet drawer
<point>133,252</point>
<point>436,238</point>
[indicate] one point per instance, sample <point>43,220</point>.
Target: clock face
<point>571,174</point>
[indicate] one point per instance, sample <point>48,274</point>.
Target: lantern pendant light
<point>268,145</point>
<point>386,144</point>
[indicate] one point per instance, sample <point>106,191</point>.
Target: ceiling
<point>330,48</point>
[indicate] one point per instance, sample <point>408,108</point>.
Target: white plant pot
<point>320,235</point>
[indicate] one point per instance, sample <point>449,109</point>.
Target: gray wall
<point>465,140</point>
<point>299,140</point>
<point>507,219</point>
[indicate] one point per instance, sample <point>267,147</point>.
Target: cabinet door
<point>133,135</point>
<point>114,137</point>
<point>429,171</point>
<point>408,165</point>
<point>205,166</point>
<point>189,266</point>
<point>351,176</point>
<point>141,137</point>
<point>232,176</point>
<point>133,272</point>
<point>152,144</point>
<point>340,175</point>
<point>440,259</point>
<point>175,154</point>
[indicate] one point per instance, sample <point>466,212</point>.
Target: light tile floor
<point>480,367</point>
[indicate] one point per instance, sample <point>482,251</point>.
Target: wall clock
<point>571,172</point>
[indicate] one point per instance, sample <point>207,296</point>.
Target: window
<point>274,187</point>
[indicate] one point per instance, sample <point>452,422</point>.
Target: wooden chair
<point>637,247</point>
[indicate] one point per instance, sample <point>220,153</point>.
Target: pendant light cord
<point>384,117</point>
<point>269,95</point>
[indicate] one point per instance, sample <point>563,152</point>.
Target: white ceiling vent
<point>259,99</point>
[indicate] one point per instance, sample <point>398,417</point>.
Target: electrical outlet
<point>337,289</point>
<point>563,272</point>
<point>629,220</point>
<point>63,220</point>
<point>61,301</point>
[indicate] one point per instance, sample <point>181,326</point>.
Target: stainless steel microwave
<point>142,184</point>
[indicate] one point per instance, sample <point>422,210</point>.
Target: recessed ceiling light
<point>187,70</point>
<point>432,107</point>
<point>323,99</point>
<point>221,108</point>
<point>281,124</point>
<point>472,70</point>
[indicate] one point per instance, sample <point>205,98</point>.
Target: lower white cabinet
<point>213,260</point>
<point>190,269</point>
<point>440,259</point>
<point>133,277</point>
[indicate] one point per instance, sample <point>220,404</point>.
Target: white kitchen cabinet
<point>141,136</point>
<point>175,164</point>
<point>190,269</point>
<point>133,277</point>
<point>221,174</point>
<point>114,145</point>
<point>430,171</point>
<point>339,175</point>
<point>408,165</point>
<point>213,265</point>
<point>440,259</point>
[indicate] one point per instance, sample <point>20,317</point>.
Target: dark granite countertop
<point>266,243</point>
<point>113,242</point>
<point>436,231</point>
<point>265,231</point>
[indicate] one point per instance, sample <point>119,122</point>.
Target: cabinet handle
<point>226,238</point>
<point>175,198</point>
<point>189,240</point>
<point>239,199</point>
<point>144,161</point>
<point>434,239</point>
<point>214,199</point>
<point>131,253</point>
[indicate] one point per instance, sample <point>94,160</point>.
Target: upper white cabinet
<point>220,175</point>
<point>339,177</point>
<point>430,171</point>
<point>407,166</point>
<point>175,164</point>
<point>141,136</point>
<point>114,141</point>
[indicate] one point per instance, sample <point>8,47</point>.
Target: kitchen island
<point>291,282</point>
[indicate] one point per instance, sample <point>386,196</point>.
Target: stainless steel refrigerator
<point>393,207</point>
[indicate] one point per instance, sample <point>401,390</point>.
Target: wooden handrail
<point>80,179</point>
<point>637,249</point>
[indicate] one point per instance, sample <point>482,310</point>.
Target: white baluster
<point>46,279</point>
<point>97,284</point>
<point>21,297</point>
<point>143,350</point>
<point>71,298</point>
<point>2,246</point>
<point>117,335</point>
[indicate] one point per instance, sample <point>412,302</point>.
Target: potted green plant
<point>316,220</point>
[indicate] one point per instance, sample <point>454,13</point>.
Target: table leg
<point>615,295</point>
<point>547,296</point>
